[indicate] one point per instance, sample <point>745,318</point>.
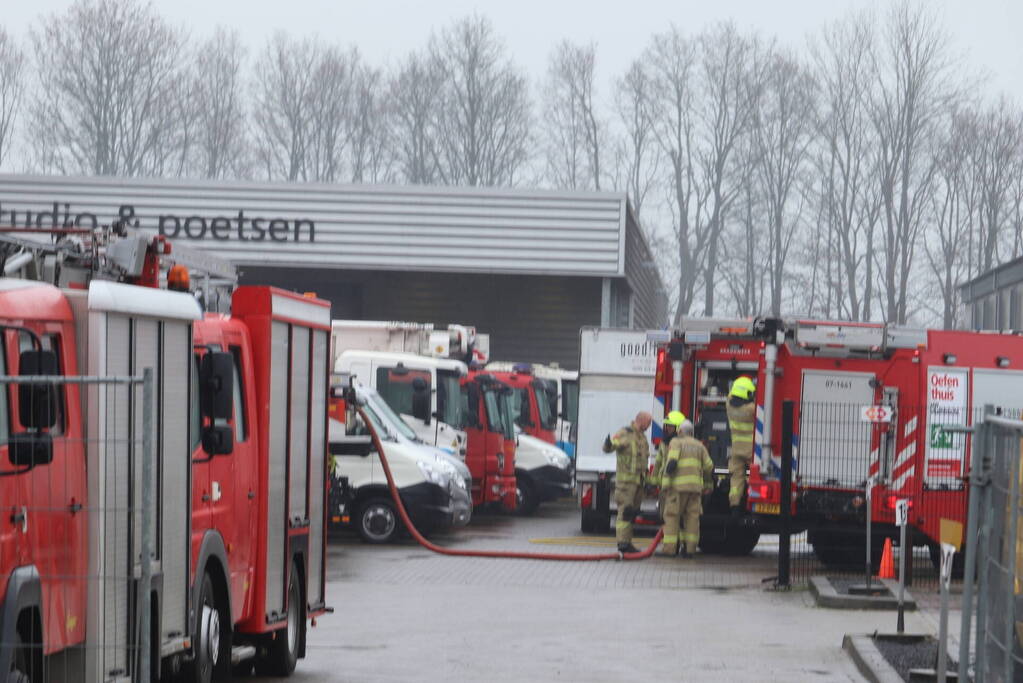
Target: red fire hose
<point>565,557</point>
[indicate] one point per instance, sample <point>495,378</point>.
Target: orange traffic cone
<point>887,564</point>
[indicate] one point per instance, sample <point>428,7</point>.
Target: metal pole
<point>1011,542</point>
<point>942,664</point>
<point>901,625</point>
<point>784,539</point>
<point>979,458</point>
<point>870,516</point>
<point>983,545</point>
<point>147,501</point>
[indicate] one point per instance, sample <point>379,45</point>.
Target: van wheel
<point>526,501</point>
<point>285,645</point>
<point>378,521</point>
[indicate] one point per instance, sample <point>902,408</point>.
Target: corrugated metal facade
<point>530,318</point>
<point>529,267</point>
<point>994,300</point>
<point>350,226</point>
<point>649,299</point>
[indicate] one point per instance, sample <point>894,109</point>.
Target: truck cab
<point>533,401</point>
<point>491,452</point>
<point>562,387</point>
<point>425,392</point>
<point>43,495</point>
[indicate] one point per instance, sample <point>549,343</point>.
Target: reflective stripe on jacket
<point>633,455</point>
<point>695,470</point>
<point>740,424</point>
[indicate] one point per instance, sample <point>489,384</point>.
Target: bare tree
<point>782,133</point>
<point>846,157</point>
<point>12,88</point>
<point>331,110</point>
<point>672,61</point>
<point>110,99</point>
<point>484,120</point>
<point>636,154</point>
<point>952,209</point>
<point>415,100</point>
<point>284,84</point>
<point>996,162</point>
<point>221,145</point>
<point>575,133</point>
<point>915,91</point>
<point>371,153</point>
<point>728,94</point>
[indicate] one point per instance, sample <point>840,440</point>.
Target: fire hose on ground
<point>510,554</point>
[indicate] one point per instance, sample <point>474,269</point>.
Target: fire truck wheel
<point>378,521</point>
<point>19,666</point>
<point>285,645</point>
<point>212,643</point>
<point>526,501</point>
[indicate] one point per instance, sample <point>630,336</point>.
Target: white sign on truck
<point>946,405</point>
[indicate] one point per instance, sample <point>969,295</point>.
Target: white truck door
<point>834,443</point>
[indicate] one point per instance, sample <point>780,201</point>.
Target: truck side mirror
<point>29,449</point>
<point>217,440</point>
<point>37,403</point>
<point>421,400</point>
<point>352,445</point>
<point>216,379</point>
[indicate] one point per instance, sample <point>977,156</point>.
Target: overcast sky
<point>985,31</point>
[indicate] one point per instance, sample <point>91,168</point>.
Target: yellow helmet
<point>743,388</point>
<point>675,418</point>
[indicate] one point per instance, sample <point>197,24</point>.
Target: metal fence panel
<point>79,505</point>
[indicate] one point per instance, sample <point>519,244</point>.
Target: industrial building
<point>529,267</point>
<point>994,300</point>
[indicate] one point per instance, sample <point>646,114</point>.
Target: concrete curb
<point>826,596</point>
<point>869,660</point>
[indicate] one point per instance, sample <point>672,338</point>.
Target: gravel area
<point>904,656</point>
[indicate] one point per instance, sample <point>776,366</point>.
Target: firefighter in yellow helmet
<point>688,476</point>
<point>672,422</point>
<point>633,452</point>
<point>741,416</point>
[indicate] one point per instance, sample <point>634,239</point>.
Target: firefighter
<point>741,415</point>
<point>630,475</point>
<point>672,422</point>
<point>688,477</point>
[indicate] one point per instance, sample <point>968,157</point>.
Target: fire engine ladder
<point>107,253</point>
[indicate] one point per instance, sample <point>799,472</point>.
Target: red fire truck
<point>491,439</point>
<point>70,557</point>
<point>532,405</point>
<point>258,518</point>
<point>869,404</point>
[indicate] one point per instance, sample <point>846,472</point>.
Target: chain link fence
<point>850,468</point>
<point>83,502</point>
<point>994,556</point>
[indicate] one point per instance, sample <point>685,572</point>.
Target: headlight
<point>432,475</point>
<point>556,458</point>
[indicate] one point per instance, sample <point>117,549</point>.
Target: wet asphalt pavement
<point>403,613</point>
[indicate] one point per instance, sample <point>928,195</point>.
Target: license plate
<point>767,508</point>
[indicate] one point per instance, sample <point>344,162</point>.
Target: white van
<point>433,490</point>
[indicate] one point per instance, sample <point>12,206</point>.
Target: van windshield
<point>386,414</point>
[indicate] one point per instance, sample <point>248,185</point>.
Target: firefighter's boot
<point>627,548</point>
